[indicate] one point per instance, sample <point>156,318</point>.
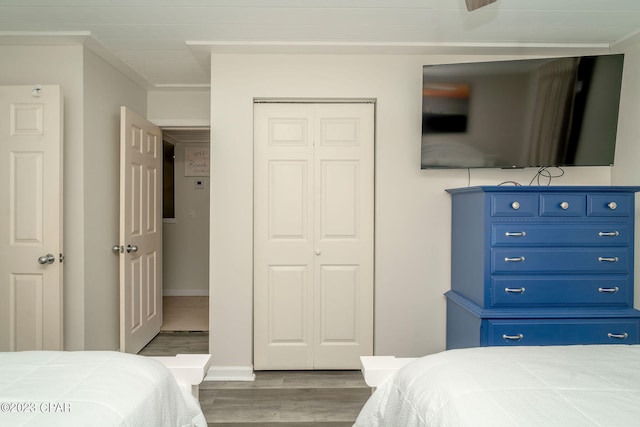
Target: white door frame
<point>196,124</point>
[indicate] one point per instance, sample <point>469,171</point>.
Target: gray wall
<point>93,92</point>
<point>105,90</point>
<point>185,240</point>
<point>412,209</point>
<point>185,263</point>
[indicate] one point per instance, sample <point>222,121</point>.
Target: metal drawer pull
<point>609,290</point>
<point>514,290</point>
<point>515,205</point>
<point>516,259</point>
<point>612,205</point>
<point>608,259</point>
<point>608,233</point>
<point>514,337</point>
<point>515,234</point>
<point>564,205</point>
<point>618,336</point>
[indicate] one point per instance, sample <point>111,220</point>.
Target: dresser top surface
<point>543,189</point>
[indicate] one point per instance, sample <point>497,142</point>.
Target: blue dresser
<point>542,266</point>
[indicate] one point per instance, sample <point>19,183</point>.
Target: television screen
<point>521,113</point>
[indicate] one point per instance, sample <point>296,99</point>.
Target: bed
<point>93,388</point>
<point>582,385</point>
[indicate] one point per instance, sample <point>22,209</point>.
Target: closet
<point>313,235</point>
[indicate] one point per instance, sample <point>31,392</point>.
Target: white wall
<point>179,107</point>
<point>627,159</point>
<point>93,92</point>
<point>185,240</point>
<point>61,65</point>
<point>105,90</point>
<point>412,209</point>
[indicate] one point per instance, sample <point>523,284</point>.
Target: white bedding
<point>595,385</point>
<point>42,388</point>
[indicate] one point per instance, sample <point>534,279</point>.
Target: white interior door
<point>283,236</point>
<point>31,309</point>
<point>140,231</point>
<point>313,235</point>
<point>343,238</point>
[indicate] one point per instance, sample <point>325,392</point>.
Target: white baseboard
<point>230,373</point>
<point>185,292</point>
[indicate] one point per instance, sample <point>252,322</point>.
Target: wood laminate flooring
<point>286,399</point>
<point>275,398</point>
<point>172,343</point>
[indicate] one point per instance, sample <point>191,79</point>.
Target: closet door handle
<point>516,259</point>
<point>514,290</point>
<point>609,290</point>
<point>514,337</point>
<point>623,336</point>
<point>608,259</point>
<point>515,234</point>
<point>608,233</point>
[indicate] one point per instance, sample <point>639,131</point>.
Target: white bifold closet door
<point>313,235</point>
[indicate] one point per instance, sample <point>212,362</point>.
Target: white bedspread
<point>596,385</point>
<point>91,389</point>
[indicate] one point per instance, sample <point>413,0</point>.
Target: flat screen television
<point>521,113</point>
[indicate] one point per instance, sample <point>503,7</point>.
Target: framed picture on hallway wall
<point>196,161</point>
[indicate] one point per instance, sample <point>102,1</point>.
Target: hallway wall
<point>185,238</point>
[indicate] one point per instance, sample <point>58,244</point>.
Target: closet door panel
<point>313,235</point>
<point>283,238</point>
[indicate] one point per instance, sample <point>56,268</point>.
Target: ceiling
<point>185,135</point>
<point>165,44</point>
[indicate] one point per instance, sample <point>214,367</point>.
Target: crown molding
<point>392,48</point>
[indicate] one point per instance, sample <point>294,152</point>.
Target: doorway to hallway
<point>186,229</point>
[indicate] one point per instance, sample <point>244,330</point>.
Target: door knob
<point>47,259</point>
<point>131,248</point>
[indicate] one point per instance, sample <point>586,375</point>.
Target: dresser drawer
<point>562,331</point>
<point>562,205</point>
<point>514,205</point>
<point>542,265</point>
<point>527,234</point>
<point>523,260</point>
<point>565,291</point>
<point>613,204</point>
